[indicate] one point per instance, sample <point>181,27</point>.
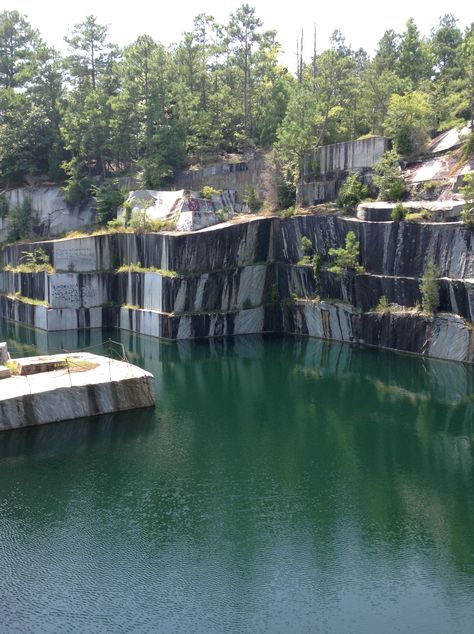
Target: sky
<point>362,22</point>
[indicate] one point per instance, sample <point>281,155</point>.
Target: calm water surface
<point>281,485</point>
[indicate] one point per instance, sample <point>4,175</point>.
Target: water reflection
<point>281,484</point>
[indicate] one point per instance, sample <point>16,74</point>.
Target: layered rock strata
<point>249,278</point>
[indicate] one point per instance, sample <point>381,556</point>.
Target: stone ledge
<point>101,386</point>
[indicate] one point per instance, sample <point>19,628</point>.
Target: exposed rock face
<point>188,209</point>
<point>109,386</point>
<point>439,211</point>
<point>325,172</point>
<point>245,278</point>
<point>233,176</point>
<point>52,215</point>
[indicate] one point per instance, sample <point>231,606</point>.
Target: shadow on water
<point>69,437</point>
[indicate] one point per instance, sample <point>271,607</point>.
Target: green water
<point>281,485</point>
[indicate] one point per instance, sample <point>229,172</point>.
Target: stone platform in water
<point>85,385</point>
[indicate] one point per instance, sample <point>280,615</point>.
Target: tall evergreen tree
<point>17,49</point>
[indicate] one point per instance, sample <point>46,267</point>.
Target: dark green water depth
<point>281,485</point>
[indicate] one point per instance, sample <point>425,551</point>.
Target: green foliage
<point>274,294</point>
<point>78,185</point>
<point>247,304</point>
<point>100,111</point>
<point>286,194</point>
<point>409,120</point>
<point>116,225</point>
<point>24,137</point>
<point>346,258</point>
<point>319,110</point>
<point>19,221</point>
<point>468,150</point>
<point>221,215</point>
<point>208,192</point>
<point>17,43</point>
<point>35,261</point>
<point>251,199</point>
<point>430,185</point>
<point>27,300</point>
<point>316,266</point>
<point>398,212</point>
<point>467,191</point>
<point>13,366</point>
<point>387,177</point>
<point>351,193</point>
<point>136,267</point>
<point>3,207</point>
<point>429,288</point>
<point>127,211</point>
<point>414,62</point>
<point>383,305</point>
<point>108,197</point>
<point>89,52</point>
<point>141,223</point>
<point>424,215</point>
<point>288,213</point>
<point>306,246</point>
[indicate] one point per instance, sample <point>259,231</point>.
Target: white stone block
<point>76,255</point>
<point>64,291</point>
<point>249,321</point>
<point>251,285</point>
<point>4,356</point>
<point>153,289</point>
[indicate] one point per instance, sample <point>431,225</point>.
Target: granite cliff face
<point>245,278</point>
<point>51,214</point>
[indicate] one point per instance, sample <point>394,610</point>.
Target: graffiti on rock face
<point>193,204</point>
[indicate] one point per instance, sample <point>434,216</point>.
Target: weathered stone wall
<point>52,215</point>
<point>387,248</point>
<point>324,171</point>
<point>3,229</point>
<point>445,336</point>
<point>234,176</point>
<point>351,156</point>
<point>245,278</point>
<point>207,250</point>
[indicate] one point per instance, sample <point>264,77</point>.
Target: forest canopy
<point>100,110</point>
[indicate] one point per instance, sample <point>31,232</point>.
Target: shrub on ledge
<point>429,288</point>
<point>347,258</point>
<point>351,193</point>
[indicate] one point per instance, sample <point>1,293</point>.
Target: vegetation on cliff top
<point>101,110</point>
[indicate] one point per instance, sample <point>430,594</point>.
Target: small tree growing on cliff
<point>19,221</point>
<point>429,288</point>
<point>467,191</point>
<point>387,177</point>
<point>351,193</point>
<point>307,250</point>
<point>108,198</point>
<point>347,258</point>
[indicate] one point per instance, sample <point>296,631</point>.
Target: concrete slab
<point>91,385</point>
